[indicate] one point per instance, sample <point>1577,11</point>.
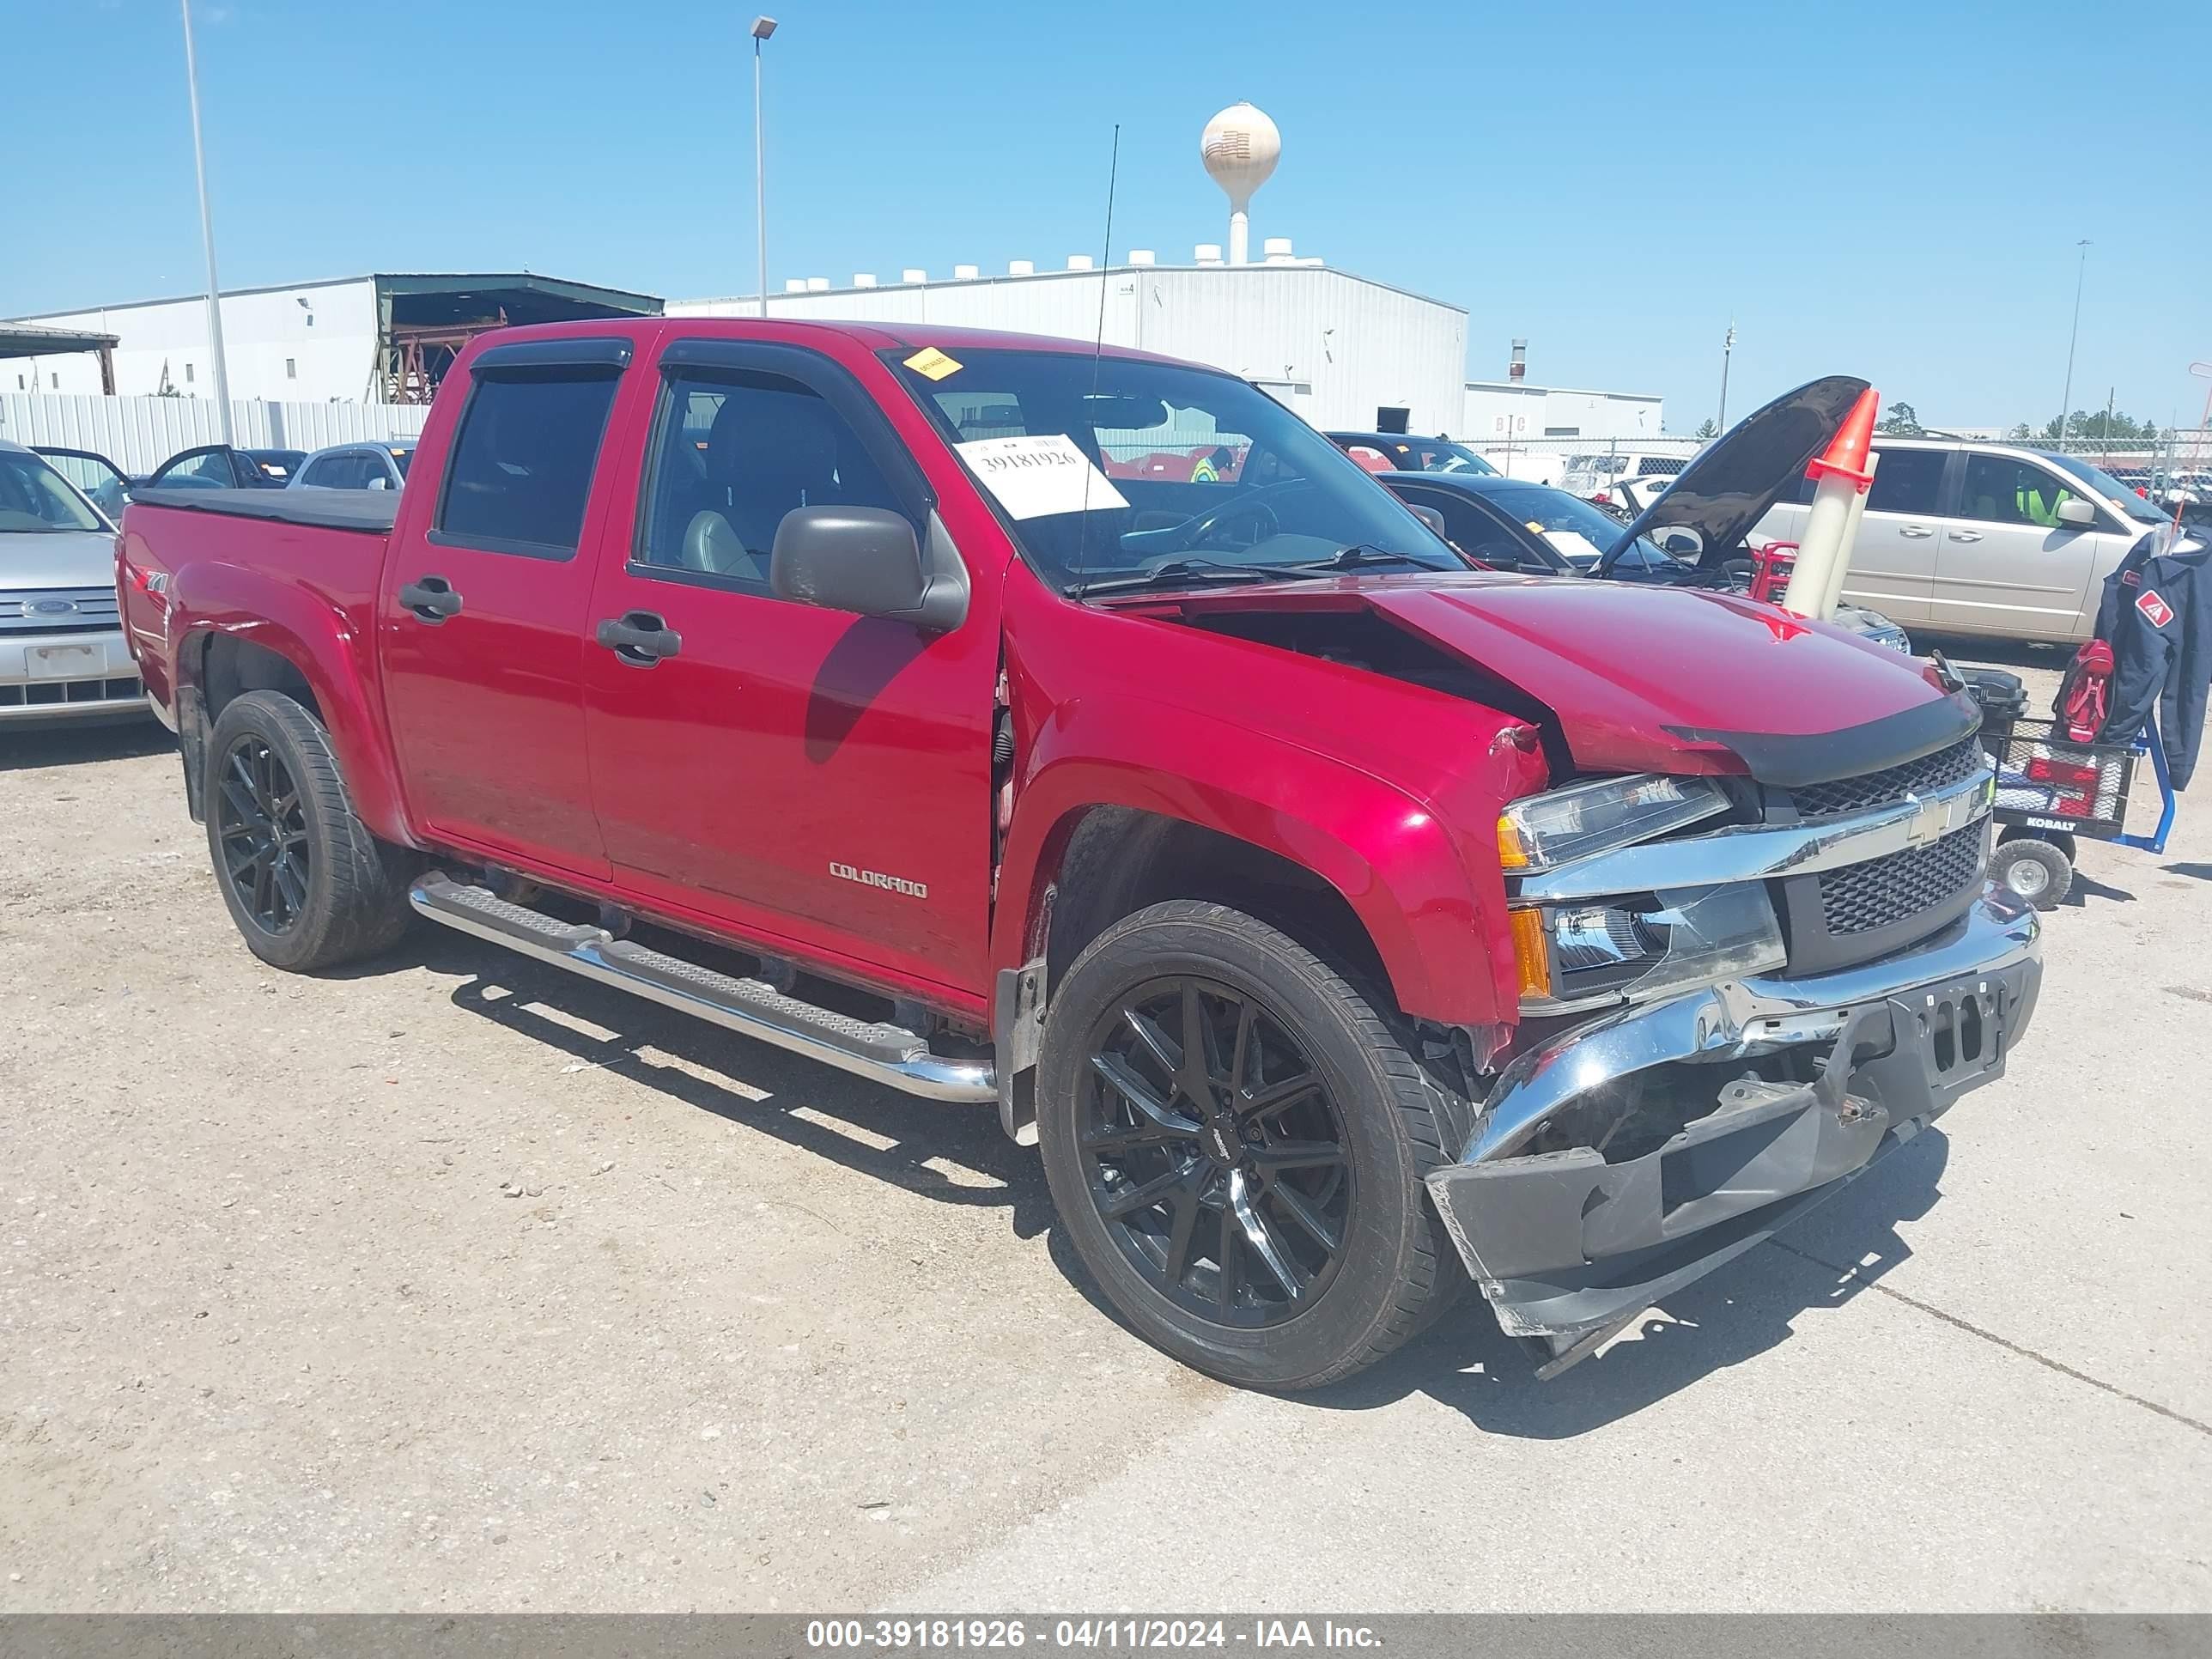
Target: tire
<point>2034,871</point>
<point>1251,1168</point>
<point>307,885</point>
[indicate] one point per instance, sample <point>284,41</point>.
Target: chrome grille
<point>1919,777</point>
<point>91,610</point>
<point>1860,897</point>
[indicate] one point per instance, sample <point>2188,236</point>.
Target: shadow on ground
<point>72,745</point>
<point>1464,1362</point>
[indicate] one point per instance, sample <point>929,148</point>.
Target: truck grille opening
<point>49,694</point>
<point>1893,783</point>
<point>1860,897</point>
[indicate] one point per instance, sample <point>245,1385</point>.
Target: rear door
<point>785,771</point>
<point>483,618</point>
<point>1892,568</point>
<point>2007,565</point>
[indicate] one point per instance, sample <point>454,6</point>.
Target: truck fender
<point>1437,928</point>
<point>323,643</point>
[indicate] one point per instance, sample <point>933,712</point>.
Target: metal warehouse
<point>1341,351</point>
<point>380,339</point>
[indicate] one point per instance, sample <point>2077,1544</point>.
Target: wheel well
<point>1119,860</point>
<point>234,665</point>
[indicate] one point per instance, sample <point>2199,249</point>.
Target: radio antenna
<point>1098,352</point>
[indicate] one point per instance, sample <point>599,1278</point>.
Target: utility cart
<point>2052,792</point>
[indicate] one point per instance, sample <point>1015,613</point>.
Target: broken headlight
<point>1542,832</point>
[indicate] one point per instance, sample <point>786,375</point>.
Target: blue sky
<point>1885,189</point>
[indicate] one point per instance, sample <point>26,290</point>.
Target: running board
<point>887,1053</point>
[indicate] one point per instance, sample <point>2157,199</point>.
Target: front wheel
<point>1236,1142</point>
<point>307,884</point>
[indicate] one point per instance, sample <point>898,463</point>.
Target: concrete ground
<point>456,1283</point>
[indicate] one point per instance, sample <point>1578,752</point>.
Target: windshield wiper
<point>1355,556</point>
<point>1178,570</point>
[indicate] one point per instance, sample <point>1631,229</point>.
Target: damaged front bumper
<point>1743,1103</point>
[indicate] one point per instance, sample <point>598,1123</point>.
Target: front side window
<point>210,469</point>
<point>1907,481</point>
<point>2141,511</point>
<point>2002,490</point>
<point>1048,436</point>
<point>34,499</point>
<point>522,463</point>
<point>737,451</point>
<point>1568,524</point>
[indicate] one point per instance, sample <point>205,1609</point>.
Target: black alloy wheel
<point>1214,1151</point>
<point>262,828</point>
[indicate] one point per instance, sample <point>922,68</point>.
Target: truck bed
<point>371,510</point>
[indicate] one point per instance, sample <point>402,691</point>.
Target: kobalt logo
<point>877,879</point>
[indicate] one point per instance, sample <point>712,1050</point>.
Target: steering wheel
<point>1199,530</point>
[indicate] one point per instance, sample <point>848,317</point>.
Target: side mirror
<point>1430,517</point>
<point>2076,513</point>
<point>1683,543</point>
<point>866,560</point>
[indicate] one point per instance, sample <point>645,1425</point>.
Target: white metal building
<point>351,338</point>
<point>1499,411</point>
<point>1342,350</point>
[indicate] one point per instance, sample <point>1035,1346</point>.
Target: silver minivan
<point>1962,536</point>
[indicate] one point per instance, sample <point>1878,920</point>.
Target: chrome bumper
<point>1570,1247</point>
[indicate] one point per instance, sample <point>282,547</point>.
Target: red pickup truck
<point>1328,913</point>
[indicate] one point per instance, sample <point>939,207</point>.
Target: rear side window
<point>521,468</point>
<point>1907,481</point>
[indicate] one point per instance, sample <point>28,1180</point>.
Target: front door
<point>785,771</point>
<point>2007,565</point>
<point>482,617</point>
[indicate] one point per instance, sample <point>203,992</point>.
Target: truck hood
<point>1729,485</point>
<point>32,560</point>
<point>1638,678</point>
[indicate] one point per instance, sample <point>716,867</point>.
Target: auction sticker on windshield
<point>1038,476</point>
<point>931,362</point>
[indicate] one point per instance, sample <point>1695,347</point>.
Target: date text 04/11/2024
<point>1124,1632</point>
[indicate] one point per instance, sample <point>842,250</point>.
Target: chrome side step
<point>887,1053</point>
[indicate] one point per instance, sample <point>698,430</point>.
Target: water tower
<point>1240,147</point>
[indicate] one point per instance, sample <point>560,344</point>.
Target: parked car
<point>63,658</point>
<point>1586,474</point>
<point>221,466</point>
<point>356,466</point>
<point>1965,536</point>
<point>106,485</point>
<point>1323,910</point>
<point>1397,451</point>
<point>1509,524</point>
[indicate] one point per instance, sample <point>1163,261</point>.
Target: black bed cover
<point>372,510</point>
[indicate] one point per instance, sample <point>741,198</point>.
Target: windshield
<point>34,500</point>
<point>2110,489</point>
<point>1436,455</point>
<point>1112,469</point>
<point>1570,524</point>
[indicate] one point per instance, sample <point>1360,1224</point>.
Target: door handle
<point>639,638</point>
<point>1965,535</point>
<point>1918,532</point>
<point>431,599</point>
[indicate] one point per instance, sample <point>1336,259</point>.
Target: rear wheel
<point>1235,1142</point>
<point>306,883</point>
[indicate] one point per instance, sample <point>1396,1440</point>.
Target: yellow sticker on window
<point>933,363</point>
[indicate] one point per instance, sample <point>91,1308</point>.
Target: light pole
<point>762,28</point>
<point>207,233</point>
<point>2066,398</point>
<point>1727,345</point>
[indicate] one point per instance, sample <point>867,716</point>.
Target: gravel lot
<point>457,1283</point>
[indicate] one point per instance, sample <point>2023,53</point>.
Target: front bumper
<point>1570,1247</point>
<point>68,677</point>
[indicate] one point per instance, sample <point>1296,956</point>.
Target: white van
<point>1968,537</point>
